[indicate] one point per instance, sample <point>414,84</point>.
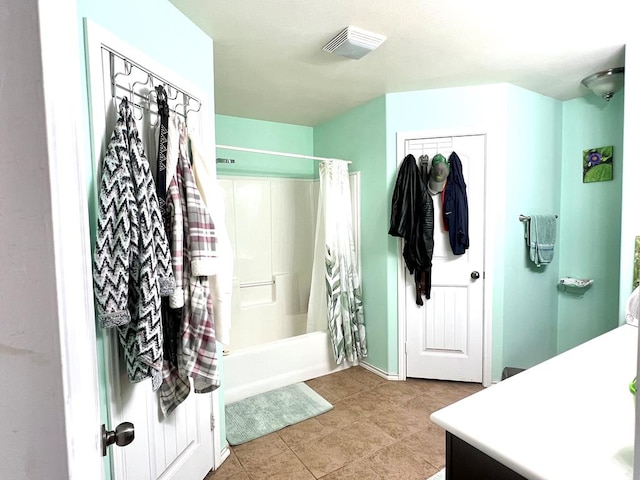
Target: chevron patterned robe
<point>132,263</point>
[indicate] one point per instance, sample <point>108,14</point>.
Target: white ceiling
<point>269,63</point>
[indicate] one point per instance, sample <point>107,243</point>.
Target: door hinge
<point>213,422</point>
<point>405,349</point>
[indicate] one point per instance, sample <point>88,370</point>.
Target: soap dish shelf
<point>576,282</point>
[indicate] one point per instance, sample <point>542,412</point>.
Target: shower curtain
<point>336,293</point>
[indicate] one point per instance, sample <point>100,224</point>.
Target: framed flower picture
<point>597,164</point>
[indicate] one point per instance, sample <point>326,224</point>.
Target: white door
<point>444,338</point>
<point>180,447</point>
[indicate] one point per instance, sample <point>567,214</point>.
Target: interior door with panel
<point>181,446</point>
<point>444,338</point>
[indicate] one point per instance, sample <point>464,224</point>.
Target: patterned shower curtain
<point>339,297</point>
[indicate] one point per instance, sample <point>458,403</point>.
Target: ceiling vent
<point>354,42</point>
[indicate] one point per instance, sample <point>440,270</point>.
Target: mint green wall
<point>160,31</point>
<point>533,166</point>
<point>591,221</point>
<point>359,136</point>
<point>262,135</point>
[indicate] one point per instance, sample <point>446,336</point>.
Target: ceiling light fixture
<point>605,83</point>
<point>354,42</point>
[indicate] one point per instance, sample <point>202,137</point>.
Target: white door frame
<point>61,85</point>
<point>401,137</point>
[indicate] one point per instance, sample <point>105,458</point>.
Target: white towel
<point>222,281</point>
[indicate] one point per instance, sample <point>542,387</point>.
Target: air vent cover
<point>354,42</point>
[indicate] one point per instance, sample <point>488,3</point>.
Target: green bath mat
<point>268,412</point>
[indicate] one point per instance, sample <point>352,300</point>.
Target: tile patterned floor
<point>377,429</point>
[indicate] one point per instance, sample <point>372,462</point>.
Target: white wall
<point>33,440</point>
<point>630,199</point>
<point>41,254</point>
<point>631,172</point>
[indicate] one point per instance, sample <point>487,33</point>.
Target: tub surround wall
<point>271,224</point>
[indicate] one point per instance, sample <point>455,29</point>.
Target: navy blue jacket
<point>455,207</point>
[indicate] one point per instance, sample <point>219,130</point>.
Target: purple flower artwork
<point>597,164</point>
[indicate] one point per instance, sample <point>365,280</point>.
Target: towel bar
<point>525,218</point>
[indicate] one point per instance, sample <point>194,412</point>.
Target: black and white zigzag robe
<point>132,264</point>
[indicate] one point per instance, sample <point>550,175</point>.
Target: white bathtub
<point>258,369</point>
<point>277,266</point>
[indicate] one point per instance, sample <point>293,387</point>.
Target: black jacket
<point>455,207</point>
<point>412,219</point>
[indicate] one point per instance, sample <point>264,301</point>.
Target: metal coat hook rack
<point>183,101</point>
<point>431,145</point>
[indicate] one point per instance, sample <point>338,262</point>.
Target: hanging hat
<point>438,175</point>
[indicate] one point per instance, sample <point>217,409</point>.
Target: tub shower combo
<point>271,222</point>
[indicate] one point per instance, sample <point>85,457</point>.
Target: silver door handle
<point>123,435</point>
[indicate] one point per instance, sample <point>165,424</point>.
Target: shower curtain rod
<point>279,154</point>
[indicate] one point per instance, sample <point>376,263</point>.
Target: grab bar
<point>257,284</point>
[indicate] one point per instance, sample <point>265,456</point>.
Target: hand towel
<point>542,238</point>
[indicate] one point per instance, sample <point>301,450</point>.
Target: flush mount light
<point>354,42</point>
<point>605,83</point>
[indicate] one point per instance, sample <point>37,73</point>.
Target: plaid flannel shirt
<point>193,244</point>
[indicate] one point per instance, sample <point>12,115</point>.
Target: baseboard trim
<point>379,372</point>
<point>224,454</point>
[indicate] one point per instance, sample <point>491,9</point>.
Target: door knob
<point>121,436</point>
<point>475,275</point>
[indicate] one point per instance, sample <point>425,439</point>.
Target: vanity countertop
<point>571,417</point>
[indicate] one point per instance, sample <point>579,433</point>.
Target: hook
<point>128,68</point>
<point>114,75</point>
<point>148,81</point>
<point>150,102</point>
<point>140,109</point>
<point>170,88</point>
<point>126,103</point>
<point>196,110</point>
<point>184,105</point>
